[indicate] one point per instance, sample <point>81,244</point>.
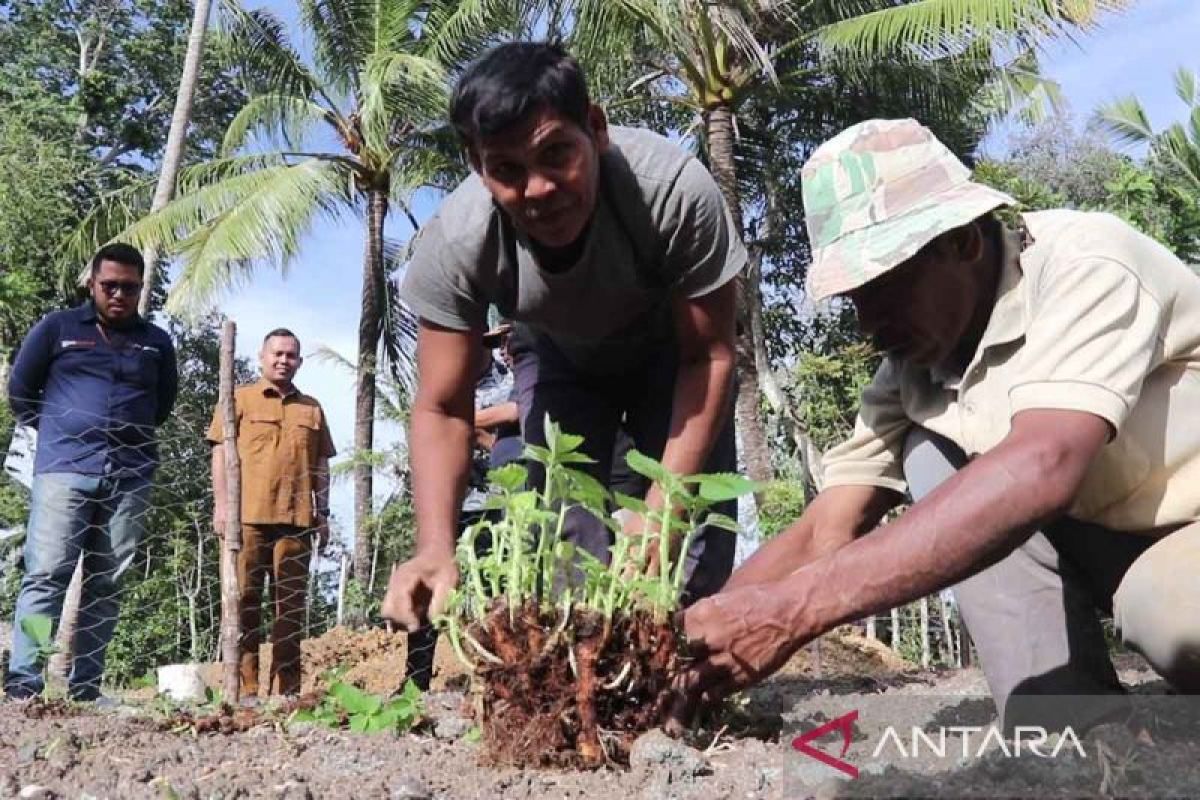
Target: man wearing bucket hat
<point>1037,402</point>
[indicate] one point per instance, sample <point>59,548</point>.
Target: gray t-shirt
<point>661,228</point>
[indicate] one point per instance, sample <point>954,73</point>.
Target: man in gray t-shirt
<point>615,250</point>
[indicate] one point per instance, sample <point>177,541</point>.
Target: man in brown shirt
<point>284,445</point>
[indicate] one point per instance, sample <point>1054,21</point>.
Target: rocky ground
<point>131,752</point>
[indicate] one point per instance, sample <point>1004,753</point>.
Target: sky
<point>1132,53</point>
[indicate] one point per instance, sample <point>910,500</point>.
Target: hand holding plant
<point>566,645</point>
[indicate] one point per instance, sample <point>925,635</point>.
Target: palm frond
<point>1125,119</point>
<point>392,401</point>
<point>1186,87</point>
<point>282,120</point>
<point>398,334</point>
<point>223,231</point>
<point>344,34</point>
<point>257,42</point>
<point>935,28</point>
<point>1185,153</point>
<point>401,92</point>
<point>1019,88</point>
<point>457,30</point>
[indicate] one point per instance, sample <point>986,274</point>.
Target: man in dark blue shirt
<point>95,381</point>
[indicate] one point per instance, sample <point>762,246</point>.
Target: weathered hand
<point>740,637</point>
<point>418,590</point>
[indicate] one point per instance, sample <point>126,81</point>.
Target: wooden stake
<point>231,544</point>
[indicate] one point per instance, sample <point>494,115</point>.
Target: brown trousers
<point>283,550</point>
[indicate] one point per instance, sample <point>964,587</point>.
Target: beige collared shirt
<point>280,440</point>
<point>1091,316</point>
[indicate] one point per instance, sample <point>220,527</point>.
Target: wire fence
<point>126,564</point>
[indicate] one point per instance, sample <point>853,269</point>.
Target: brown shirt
<point>280,440</point>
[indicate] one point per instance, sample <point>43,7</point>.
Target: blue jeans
<point>101,517</point>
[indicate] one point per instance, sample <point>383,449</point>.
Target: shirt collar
<point>1010,313</point>
<point>268,389</point>
<point>87,313</point>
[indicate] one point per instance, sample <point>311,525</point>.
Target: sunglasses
<point>112,288</point>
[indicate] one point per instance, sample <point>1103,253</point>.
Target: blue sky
<point>1135,52</point>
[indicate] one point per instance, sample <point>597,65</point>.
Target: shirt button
<point>969,408</point>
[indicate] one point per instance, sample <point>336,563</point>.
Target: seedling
<point>564,643</point>
<point>347,705</point>
<point>40,630</point>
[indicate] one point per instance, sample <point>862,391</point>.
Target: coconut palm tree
<point>1179,143</point>
<point>181,115</point>
<point>711,56</point>
<point>353,132</point>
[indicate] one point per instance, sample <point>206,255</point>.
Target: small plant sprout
<point>550,628</point>
<point>345,705</point>
<point>40,630</point>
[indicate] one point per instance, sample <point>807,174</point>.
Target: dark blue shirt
<point>94,395</point>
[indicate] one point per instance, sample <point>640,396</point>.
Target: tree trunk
<point>752,435</point>
<point>176,137</point>
<point>896,629</point>
<point>871,633</point>
<point>231,542</point>
<point>947,630</point>
<point>925,654</point>
<point>64,638</point>
<point>369,325</point>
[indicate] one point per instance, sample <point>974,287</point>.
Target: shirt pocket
<point>303,431</point>
<point>260,430</point>
<point>148,363</point>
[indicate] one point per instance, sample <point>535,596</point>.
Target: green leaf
<point>473,734</point>
<point>587,490</point>
<point>39,628</point>
<point>723,486</point>
<point>510,477</point>
<point>354,700</point>
<point>575,458</point>
<point>385,720</point>
<point>629,503</point>
<point>645,465</point>
<point>536,453</point>
<point>359,722</point>
<point>723,522</point>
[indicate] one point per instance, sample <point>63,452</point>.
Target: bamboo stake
<point>231,544</point>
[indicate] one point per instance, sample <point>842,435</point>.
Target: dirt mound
<point>374,658</point>
<point>845,652</point>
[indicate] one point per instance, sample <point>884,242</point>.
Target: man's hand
<point>418,590</point>
<point>739,637</point>
<point>484,438</point>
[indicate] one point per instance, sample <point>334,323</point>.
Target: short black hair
<point>511,81</point>
<point>121,253</point>
<point>281,332</point>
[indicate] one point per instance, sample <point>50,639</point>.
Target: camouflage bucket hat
<point>878,192</point>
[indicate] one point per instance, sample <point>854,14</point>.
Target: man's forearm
<point>703,391</point>
<point>834,519</point>
<point>980,515</point>
<point>440,455</point>
<point>498,414</point>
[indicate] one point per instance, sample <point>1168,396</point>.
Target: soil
<point>579,701</point>
<point>745,752</point>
